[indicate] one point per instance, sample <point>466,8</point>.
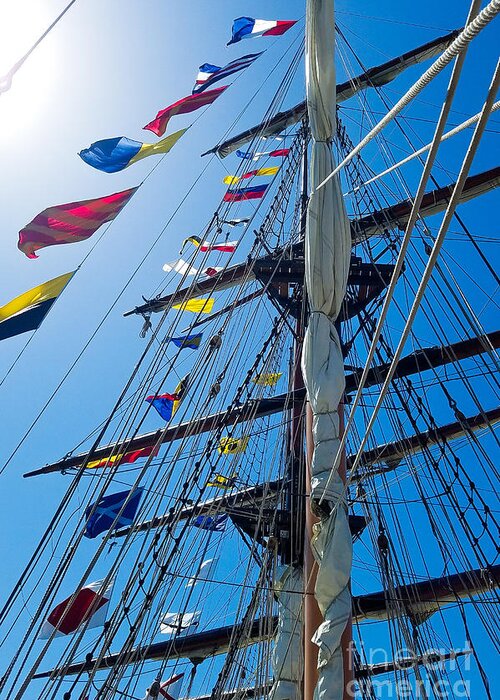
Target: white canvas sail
<point>327,254</point>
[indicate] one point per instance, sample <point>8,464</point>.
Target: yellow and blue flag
<point>187,341</point>
<point>113,155</point>
<point>27,311</point>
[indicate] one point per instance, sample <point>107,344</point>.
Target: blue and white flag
<point>215,524</point>
<point>106,510</point>
<point>209,74</point>
<point>247,28</point>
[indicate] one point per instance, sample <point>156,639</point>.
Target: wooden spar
<point>393,453</point>
<point>374,77</point>
<point>373,224</point>
<point>367,671</point>
<point>396,216</point>
<point>414,363</point>
<point>248,496</point>
<point>432,593</point>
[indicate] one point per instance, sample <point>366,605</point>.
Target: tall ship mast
<point>292,493</point>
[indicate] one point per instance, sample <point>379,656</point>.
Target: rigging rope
<point>470,32</point>
<point>6,80</point>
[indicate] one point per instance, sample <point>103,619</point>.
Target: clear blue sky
<point>105,71</point>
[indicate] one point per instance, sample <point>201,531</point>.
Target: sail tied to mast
<point>327,255</point>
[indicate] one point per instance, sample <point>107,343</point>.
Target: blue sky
<point>105,71</point>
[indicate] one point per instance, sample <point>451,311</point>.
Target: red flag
<point>70,223</point>
<point>89,606</point>
<point>184,106</point>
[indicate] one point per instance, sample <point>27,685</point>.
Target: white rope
<point>455,199</point>
<point>456,47</point>
<point>445,110</point>
<point>449,134</point>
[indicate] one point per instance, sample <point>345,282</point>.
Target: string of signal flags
<point>78,221</point>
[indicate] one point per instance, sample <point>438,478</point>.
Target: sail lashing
<point>327,256</point>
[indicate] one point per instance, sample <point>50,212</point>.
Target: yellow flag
<point>222,482</point>
<point>232,446</point>
<point>233,179</point>
<point>27,311</point>
<point>163,146</point>
<point>203,306</point>
<point>267,378</point>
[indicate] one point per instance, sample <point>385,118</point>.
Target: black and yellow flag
<point>222,482</point>
<point>267,378</point>
<point>27,311</point>
<point>232,446</point>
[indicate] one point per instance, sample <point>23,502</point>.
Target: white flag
<point>179,623</point>
<point>205,571</point>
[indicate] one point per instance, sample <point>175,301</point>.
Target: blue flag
<point>188,341</point>
<point>107,509</point>
<point>215,524</point>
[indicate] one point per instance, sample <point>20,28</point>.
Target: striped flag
<point>122,458</point>
<point>261,172</point>
<point>89,607</point>
<point>27,311</point>
<point>248,28</point>
<point>245,193</point>
<point>206,246</point>
<point>70,223</point>
<point>209,74</point>
<point>187,341</point>
<point>252,155</point>
<point>185,106</point>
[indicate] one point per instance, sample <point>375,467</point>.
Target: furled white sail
<point>328,246</point>
<point>288,653</point>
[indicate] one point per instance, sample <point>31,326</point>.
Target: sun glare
<point>22,103</point>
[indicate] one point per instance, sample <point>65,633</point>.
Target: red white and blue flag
<point>247,28</point>
<point>254,155</point>
<point>245,193</point>
<point>209,74</point>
